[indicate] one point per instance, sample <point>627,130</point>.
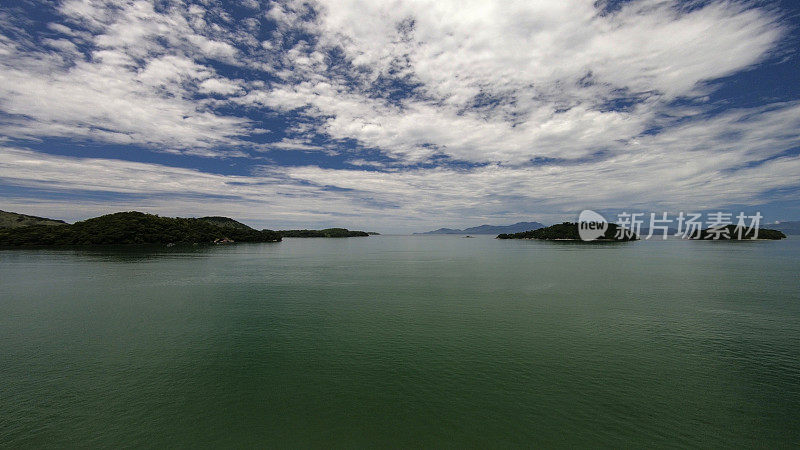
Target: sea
<point>403,342</point>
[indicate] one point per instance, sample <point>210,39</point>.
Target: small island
<point>568,231</point>
<point>737,233</point>
<point>326,233</point>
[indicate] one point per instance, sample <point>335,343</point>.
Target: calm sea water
<point>403,342</point>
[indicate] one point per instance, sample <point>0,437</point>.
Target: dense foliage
<point>132,228</point>
<point>568,231</point>
<point>326,233</point>
<point>225,222</point>
<point>735,233</point>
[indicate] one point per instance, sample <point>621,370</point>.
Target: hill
<point>133,227</point>
<point>225,222</point>
<point>734,233</point>
<point>443,231</point>
<point>15,220</point>
<point>490,229</point>
<point>326,233</point>
<point>568,231</point>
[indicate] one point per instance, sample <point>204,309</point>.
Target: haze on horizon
<point>399,116</point>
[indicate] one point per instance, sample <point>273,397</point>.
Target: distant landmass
<point>125,228</point>
<point>326,233</point>
<point>568,231</point>
<point>788,227</point>
<point>490,229</point>
<point>15,220</point>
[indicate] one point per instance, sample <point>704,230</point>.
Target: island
<point>737,233</point>
<point>568,231</point>
<point>326,233</point>
<point>133,227</point>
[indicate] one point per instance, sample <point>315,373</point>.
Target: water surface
<point>403,341</point>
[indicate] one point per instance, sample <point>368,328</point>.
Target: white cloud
<point>670,170</point>
<point>551,67</point>
<point>219,86</point>
<point>493,83</point>
<point>135,86</point>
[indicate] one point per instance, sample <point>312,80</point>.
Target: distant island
<point>126,228</point>
<point>489,229</point>
<point>326,233</point>
<point>735,233</point>
<point>568,231</point>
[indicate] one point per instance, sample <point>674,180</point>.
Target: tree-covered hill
<point>569,231</point>
<point>326,233</point>
<point>225,222</point>
<point>132,228</point>
<point>735,233</point>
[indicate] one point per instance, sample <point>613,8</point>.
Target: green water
<point>396,341</point>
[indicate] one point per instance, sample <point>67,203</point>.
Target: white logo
<point>591,225</point>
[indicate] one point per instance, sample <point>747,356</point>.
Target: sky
<point>399,116</point>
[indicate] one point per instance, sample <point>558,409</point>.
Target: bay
<point>402,341</point>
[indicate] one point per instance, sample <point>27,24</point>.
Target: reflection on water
<point>128,253</point>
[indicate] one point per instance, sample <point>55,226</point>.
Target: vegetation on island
<point>736,233</point>
<point>326,233</point>
<point>133,227</point>
<point>568,231</point>
<point>225,222</point>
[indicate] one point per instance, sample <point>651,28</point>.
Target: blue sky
<point>399,116</point>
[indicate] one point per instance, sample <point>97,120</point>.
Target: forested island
<point>126,228</point>
<point>736,233</point>
<point>568,231</point>
<point>326,233</point>
<point>131,228</point>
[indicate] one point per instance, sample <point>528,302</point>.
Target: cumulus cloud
<point>511,81</point>
<point>132,84</point>
<point>513,109</point>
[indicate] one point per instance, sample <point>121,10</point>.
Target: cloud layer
<point>401,114</point>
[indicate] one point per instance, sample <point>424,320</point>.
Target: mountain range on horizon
<point>490,229</point>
